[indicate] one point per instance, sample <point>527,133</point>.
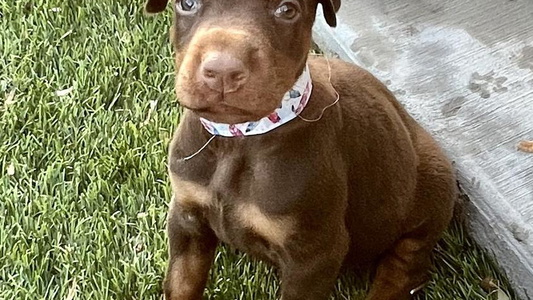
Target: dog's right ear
<point>155,6</point>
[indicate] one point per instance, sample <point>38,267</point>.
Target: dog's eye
<point>187,7</point>
<point>287,11</point>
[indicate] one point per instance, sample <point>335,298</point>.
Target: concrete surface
<point>464,69</point>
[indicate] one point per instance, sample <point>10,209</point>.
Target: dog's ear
<point>155,6</point>
<point>331,7</point>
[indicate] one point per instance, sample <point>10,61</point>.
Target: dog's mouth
<point>222,113</point>
<point>248,104</point>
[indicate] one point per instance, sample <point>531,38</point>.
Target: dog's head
<point>235,59</point>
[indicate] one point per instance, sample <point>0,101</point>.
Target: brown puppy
<point>361,183</point>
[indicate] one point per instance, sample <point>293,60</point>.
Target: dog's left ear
<point>155,6</point>
<point>331,7</point>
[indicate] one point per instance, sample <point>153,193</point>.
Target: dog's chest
<point>242,201</point>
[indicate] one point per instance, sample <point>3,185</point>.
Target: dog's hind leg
<point>405,266</point>
<point>402,270</point>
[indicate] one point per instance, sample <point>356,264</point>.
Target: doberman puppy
<point>307,163</point>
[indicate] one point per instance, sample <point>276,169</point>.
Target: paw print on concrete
<point>486,84</point>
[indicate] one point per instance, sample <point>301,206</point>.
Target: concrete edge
<point>491,229</point>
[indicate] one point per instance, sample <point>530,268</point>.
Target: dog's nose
<point>223,72</point>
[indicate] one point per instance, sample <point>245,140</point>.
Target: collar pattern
<point>293,103</point>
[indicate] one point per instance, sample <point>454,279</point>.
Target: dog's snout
<point>223,72</point>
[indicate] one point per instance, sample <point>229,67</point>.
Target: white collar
<point>293,103</point>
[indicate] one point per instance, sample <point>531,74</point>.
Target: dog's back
<point>397,171</point>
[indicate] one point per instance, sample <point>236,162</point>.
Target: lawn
<point>86,113</point>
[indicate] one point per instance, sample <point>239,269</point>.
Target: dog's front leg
<point>311,275</point>
<point>192,246</point>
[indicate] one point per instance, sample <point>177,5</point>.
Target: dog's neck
<point>293,103</point>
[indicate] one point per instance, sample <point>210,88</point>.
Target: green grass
<point>83,185</point>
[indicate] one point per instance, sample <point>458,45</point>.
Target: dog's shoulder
<point>361,94</point>
<point>371,118</point>
<point>339,71</point>
<point>349,80</point>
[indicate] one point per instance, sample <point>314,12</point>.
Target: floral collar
<point>293,103</point>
